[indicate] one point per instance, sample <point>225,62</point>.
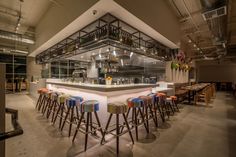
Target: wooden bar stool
<point>71,102</point>
<point>175,103</point>
<point>61,109</point>
<point>156,106</point>
<point>163,105</point>
<point>48,102</point>
<point>118,109</point>
<point>88,107</point>
<point>137,107</point>
<point>42,98</point>
<point>53,106</point>
<point>148,112</point>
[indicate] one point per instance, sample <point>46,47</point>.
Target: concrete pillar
<point>2,107</point>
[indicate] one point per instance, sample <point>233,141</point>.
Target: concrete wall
<point>158,15</point>
<point>215,71</point>
<point>2,107</point>
<point>33,69</point>
<point>59,16</point>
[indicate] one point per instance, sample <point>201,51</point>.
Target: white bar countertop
<point>99,87</point>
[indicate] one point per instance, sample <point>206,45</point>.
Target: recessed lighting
<point>198,48</point>
<point>93,53</point>
<point>17,28</point>
<point>18,24</point>
<point>194,45</point>
<point>200,51</point>
<point>189,40</point>
<point>81,56</point>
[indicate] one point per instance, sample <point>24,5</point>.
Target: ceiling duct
<point>214,12</point>
<point>15,37</point>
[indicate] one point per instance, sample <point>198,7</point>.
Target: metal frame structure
<point>107,30</point>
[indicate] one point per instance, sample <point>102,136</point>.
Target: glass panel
<point>20,68</point>
<point>55,69</point>
<point>63,69</point>
<point>9,68</point>
<point>20,59</point>
<point>5,58</point>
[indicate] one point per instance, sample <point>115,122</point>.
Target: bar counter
<point>103,93</point>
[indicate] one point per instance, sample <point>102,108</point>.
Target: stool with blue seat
<point>88,107</point>
<point>72,104</point>
<point>118,109</point>
<point>137,107</point>
<point>157,105</point>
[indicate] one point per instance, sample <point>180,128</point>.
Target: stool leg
<point>98,121</point>
<point>67,113</point>
<point>147,123</point>
<point>175,103</point>
<point>143,119</point>
<point>46,105</point>
<point>136,123</point>
<point>42,103</point>
<point>129,130</point>
<point>71,119</point>
<point>91,124</point>
<point>49,109</point>
<point>86,131</point>
<point>39,100</point>
<point>62,111</point>
<point>57,113</point>
<point>54,110</point>
<point>151,112</point>
<point>107,125</point>
<point>117,133</point>
<point>78,126</point>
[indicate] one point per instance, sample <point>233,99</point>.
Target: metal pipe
<point>188,12</point>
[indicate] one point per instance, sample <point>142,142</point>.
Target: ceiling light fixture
<point>194,45</point>
<point>198,48</point>
<point>131,54</point>
<point>190,41</point>
<point>114,53</point>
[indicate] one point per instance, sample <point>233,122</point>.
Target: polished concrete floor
<point>196,131</point>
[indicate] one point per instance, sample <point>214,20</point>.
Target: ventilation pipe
<point>15,37</point>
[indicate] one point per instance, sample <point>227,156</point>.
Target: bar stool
<point>88,107</point>
<point>62,108</point>
<point>175,103</point>
<point>42,98</point>
<point>53,105</point>
<point>117,108</point>
<point>71,102</point>
<point>137,107</point>
<point>156,106</point>
<point>48,101</point>
<point>163,105</point>
<point>148,103</point>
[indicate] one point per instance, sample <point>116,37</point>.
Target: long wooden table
<point>193,89</point>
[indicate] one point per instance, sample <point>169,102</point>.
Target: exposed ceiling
<point>22,13</point>
<point>206,38</point>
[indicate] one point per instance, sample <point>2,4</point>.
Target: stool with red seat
<point>148,110</point>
